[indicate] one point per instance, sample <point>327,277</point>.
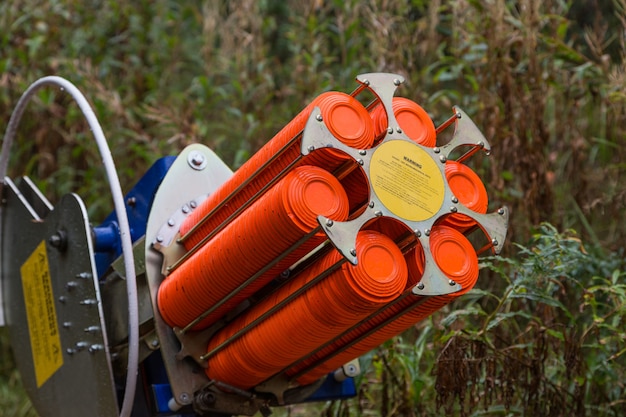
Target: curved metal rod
<point>120,210</point>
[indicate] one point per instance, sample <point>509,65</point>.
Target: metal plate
<point>185,182</point>
<point>53,308</point>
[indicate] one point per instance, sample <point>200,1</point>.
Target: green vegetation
<point>545,332</point>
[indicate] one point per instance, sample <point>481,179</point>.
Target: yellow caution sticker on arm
<point>41,315</point>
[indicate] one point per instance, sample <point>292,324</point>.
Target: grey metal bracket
<point>407,182</point>
<point>53,304</point>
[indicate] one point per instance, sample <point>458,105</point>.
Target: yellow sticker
<point>407,180</point>
<point>41,315</point>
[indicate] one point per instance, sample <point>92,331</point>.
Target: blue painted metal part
<point>138,204</point>
<point>334,390</point>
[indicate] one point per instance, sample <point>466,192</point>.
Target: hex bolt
<point>92,329</point>
<point>84,275</point>
<point>58,240</point>
<point>95,348</point>
<point>197,160</point>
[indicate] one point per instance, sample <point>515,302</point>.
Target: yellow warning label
<point>41,315</point>
<point>407,180</point>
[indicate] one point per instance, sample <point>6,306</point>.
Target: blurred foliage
<point>544,81</point>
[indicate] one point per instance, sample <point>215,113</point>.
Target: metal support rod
<point>272,310</point>
<point>469,153</point>
<point>447,123</point>
<point>250,280</point>
<point>357,339</point>
<point>248,180</point>
<point>236,213</point>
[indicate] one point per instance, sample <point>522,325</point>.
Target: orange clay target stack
<point>251,289</point>
<point>348,227</point>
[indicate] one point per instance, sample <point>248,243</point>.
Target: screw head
<point>427,232</point>
<point>353,252</point>
<point>197,160</point>
<point>319,118</point>
<point>329,223</point>
<point>420,286</point>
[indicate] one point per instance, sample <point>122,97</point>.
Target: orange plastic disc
<point>455,256</point>
<point>412,118</point>
<point>469,189</point>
